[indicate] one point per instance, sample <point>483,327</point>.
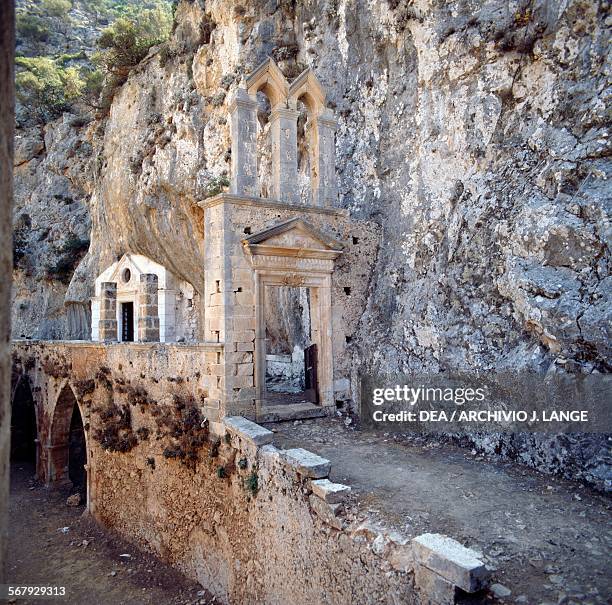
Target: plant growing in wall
<point>183,429</point>
<point>115,433</point>
<point>216,185</point>
<point>251,483</point>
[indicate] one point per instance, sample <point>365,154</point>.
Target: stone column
<point>107,325</point>
<point>7,123</point>
<point>324,165</point>
<point>148,313</point>
<point>283,128</point>
<point>243,112</point>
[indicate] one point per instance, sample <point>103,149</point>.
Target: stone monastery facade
<point>253,243</point>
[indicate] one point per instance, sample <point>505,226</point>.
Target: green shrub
<point>216,185</point>
<point>75,245</point>
<point>251,483</point>
<point>65,58</point>
<point>31,28</point>
<point>62,270</point>
<point>45,87</point>
<point>56,8</point>
<point>126,42</point>
<point>20,245</point>
<point>70,254</point>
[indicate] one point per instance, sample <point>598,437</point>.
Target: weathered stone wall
<point>116,382</point>
<point>7,114</point>
<point>264,547</point>
<point>252,523</point>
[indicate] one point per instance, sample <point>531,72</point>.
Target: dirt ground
<point>53,544</point>
<point>550,540</point>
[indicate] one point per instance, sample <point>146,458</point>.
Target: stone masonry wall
<point>7,111</point>
<point>252,523</point>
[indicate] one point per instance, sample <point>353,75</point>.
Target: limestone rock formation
<point>474,133</point>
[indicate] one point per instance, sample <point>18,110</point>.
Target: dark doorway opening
<point>291,356</point>
<point>23,424</point>
<point>127,322</point>
<point>77,452</point>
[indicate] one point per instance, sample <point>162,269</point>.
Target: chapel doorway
<point>127,322</point>
<point>290,353</point>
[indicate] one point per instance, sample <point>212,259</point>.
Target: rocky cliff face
<point>473,132</point>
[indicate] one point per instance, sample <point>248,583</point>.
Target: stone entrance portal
<point>295,254</point>
<point>287,339</point>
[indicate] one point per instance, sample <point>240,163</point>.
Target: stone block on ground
<point>332,493</point>
<point>306,463</point>
<point>451,560</point>
<point>500,591</point>
<point>249,431</point>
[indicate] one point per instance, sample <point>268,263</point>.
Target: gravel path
<point>82,557</point>
<point>550,539</point>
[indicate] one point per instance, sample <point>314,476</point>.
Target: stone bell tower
<point>252,243</point>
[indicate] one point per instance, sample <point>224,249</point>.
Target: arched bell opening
<point>306,141</point>
<point>264,145</point>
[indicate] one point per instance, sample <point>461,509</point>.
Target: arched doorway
<point>67,445</point>
<point>77,453</point>
<point>23,425</point>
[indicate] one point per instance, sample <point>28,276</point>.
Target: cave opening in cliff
<point>23,425</point>
<point>290,370</point>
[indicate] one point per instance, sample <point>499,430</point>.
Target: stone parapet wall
<point>257,524</point>
<point>251,522</point>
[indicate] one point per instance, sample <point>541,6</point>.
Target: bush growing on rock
<point>56,8</point>
<point>127,41</point>
<point>45,87</point>
<point>31,28</point>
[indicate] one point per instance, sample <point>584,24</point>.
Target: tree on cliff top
<point>126,42</point>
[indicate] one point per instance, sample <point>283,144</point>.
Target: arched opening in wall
<point>23,426</point>
<point>264,145</point>
<point>290,372</point>
<point>305,148</point>
<point>68,452</point>
<point>77,453</point>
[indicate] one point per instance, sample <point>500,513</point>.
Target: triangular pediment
<point>307,87</point>
<point>295,233</point>
<point>270,79</point>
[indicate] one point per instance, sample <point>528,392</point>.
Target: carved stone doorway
<point>295,255</point>
<point>290,372</point>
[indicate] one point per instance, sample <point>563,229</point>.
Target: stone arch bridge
<point>65,378</point>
